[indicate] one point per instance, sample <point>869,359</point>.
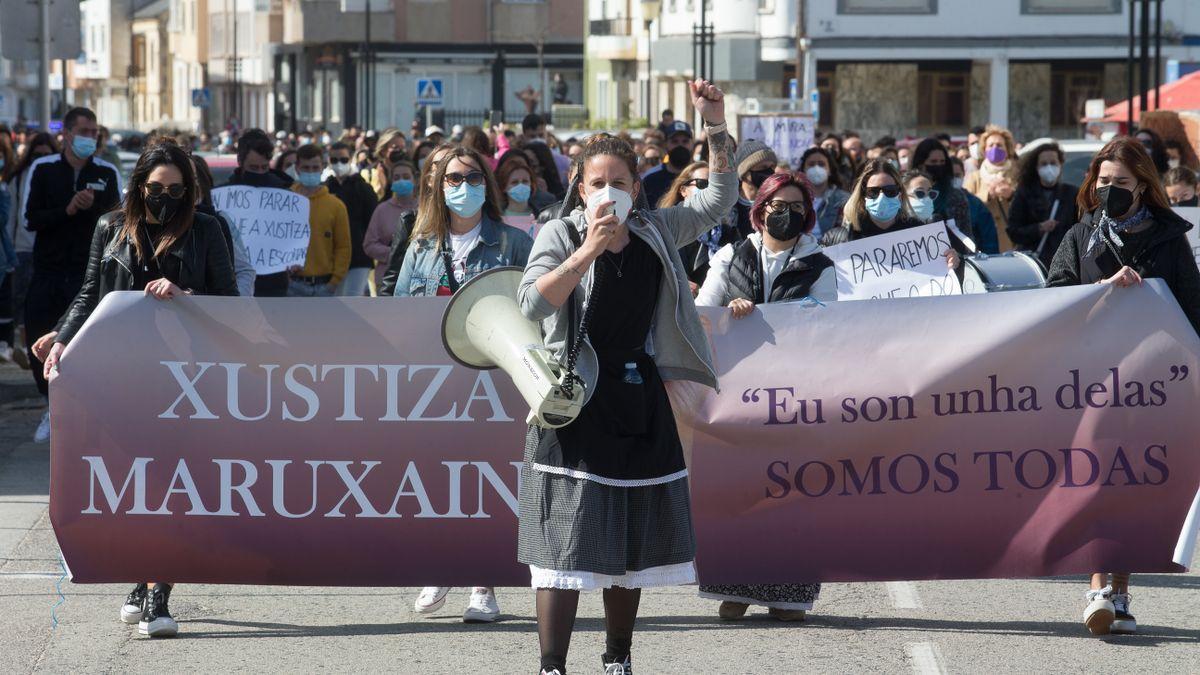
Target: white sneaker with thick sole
<point>1099,615</point>
<point>431,599</point>
<point>1123,621</point>
<point>42,435</point>
<point>483,607</point>
<point>6,352</point>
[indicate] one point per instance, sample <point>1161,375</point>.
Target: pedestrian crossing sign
<point>429,92</point>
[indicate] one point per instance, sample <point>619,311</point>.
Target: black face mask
<point>1115,201</point>
<point>786,225</point>
<point>679,157</point>
<point>757,178</point>
<point>1194,201</point>
<point>164,206</point>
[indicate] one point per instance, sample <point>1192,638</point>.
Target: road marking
<point>30,575</point>
<point>925,658</point>
<point>904,595</point>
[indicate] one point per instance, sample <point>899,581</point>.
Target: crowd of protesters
<point>418,213</point>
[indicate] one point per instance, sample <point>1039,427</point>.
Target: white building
<point>884,66</point>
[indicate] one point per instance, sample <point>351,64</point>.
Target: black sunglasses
<point>175,190</point>
<point>473,178</point>
<point>889,190</point>
<point>700,183</point>
<point>339,160</point>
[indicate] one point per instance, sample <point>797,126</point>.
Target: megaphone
<point>483,328</point>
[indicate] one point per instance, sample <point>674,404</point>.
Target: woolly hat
<point>750,153</point>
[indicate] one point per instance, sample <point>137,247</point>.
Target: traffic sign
<point>429,92</point>
<point>201,98</point>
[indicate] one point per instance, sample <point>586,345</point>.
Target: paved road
<point>922,627</point>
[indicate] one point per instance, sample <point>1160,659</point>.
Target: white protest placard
<point>273,224</point>
<point>1192,215</point>
<point>788,134</point>
<point>905,264</point>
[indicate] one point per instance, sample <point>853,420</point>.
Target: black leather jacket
<point>202,266</point>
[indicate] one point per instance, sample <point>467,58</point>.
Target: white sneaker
<point>6,352</point>
<point>483,607</point>
<point>431,599</point>
<point>42,435</point>
<point>1099,615</point>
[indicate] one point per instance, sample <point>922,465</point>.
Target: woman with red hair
<point>1127,232</point>
<point>780,261</point>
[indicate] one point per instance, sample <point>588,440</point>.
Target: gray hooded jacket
<point>677,341</point>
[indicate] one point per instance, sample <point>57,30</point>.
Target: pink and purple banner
<point>334,442</point>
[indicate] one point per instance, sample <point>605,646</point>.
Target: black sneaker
<point>156,619</point>
<point>1123,621</point>
<point>135,604</point>
<point>614,667</point>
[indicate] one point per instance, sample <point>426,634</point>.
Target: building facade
<point>896,67</point>
<point>488,55</point>
<point>241,37</point>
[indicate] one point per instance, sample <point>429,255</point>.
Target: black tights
<point>556,609</point>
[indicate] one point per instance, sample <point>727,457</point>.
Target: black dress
<point>604,500</point>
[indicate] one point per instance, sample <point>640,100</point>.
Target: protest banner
<point>1192,215</point>
<point>904,264</point>
<point>238,445</point>
<point>788,134</point>
<point>273,224</point>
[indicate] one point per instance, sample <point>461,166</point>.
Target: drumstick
<point>1046,235</point>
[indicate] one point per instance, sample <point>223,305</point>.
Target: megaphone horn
<point>483,328</point>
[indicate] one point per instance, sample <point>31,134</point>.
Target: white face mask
<point>817,174</point>
<point>622,201</point>
<point>1049,173</point>
<point>974,150</point>
<point>1173,163</point>
<point>342,170</point>
<point>958,183</point>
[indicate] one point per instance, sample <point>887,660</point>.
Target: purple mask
<point>996,155</point>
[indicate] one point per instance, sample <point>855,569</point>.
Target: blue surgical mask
<point>309,180</point>
<point>466,199</point>
<point>402,188</point>
<point>923,208</point>
<point>83,147</point>
<point>883,207</point>
<point>519,193</point>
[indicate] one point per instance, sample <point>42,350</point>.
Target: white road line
<point>904,595</point>
<point>30,575</point>
<point>925,658</point>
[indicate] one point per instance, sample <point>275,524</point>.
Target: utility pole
<point>1129,68</point>
<point>1157,49</point>
<point>803,86</point>
<point>368,69</point>
<point>44,74</point>
<point>1144,65</point>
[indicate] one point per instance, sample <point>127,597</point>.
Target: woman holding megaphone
<point>604,500</point>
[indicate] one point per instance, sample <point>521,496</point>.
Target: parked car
<point>221,166</point>
<point>1078,156</point>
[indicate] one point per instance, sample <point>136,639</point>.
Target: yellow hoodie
<point>329,241</point>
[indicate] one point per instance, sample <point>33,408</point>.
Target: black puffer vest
<point>745,277</point>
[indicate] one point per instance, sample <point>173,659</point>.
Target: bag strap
<point>448,264</point>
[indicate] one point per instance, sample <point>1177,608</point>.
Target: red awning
<point>1182,94</point>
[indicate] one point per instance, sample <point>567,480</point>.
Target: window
<point>1070,6</point>
<point>942,98</point>
<point>1070,88</point>
<point>887,7</point>
<point>766,6</point>
<point>826,91</point>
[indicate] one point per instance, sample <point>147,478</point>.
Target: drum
<point>1011,271</point>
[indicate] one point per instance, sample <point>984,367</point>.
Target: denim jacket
<point>423,271</point>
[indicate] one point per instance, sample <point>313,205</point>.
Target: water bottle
<point>632,376</point>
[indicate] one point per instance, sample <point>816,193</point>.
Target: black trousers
<point>271,285</point>
<point>50,294</point>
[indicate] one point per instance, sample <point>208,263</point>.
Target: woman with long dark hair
<point>932,158</point>
<point>1043,208</point>
<point>1153,144</point>
<point>158,243</point>
<point>604,500</point>
<point>828,194</point>
<point>1128,232</point>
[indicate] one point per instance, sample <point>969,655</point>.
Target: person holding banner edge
<point>604,500</point>
<point>1127,233</point>
<point>158,243</point>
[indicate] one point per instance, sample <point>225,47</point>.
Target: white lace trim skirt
<point>667,575</point>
